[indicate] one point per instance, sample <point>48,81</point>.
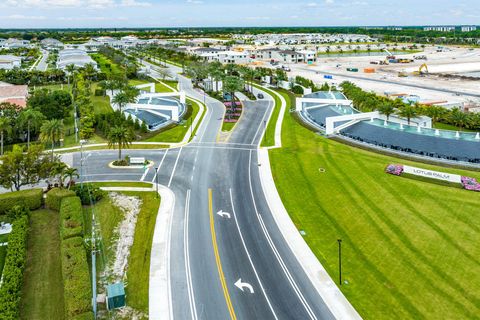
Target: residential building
<point>8,62</point>
<point>290,56</point>
<point>233,57</point>
<point>468,28</point>
<point>309,56</point>
<point>439,28</point>
<point>78,58</point>
<point>267,54</point>
<point>13,43</point>
<point>14,94</point>
<point>51,44</point>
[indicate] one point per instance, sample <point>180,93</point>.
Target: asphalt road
<point>228,258</point>
<point>42,65</point>
<point>412,85</point>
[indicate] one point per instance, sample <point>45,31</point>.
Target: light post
<point>156,180</point>
<point>339,261</point>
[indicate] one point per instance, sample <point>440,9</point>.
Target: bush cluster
<point>10,291</point>
<point>32,199</point>
<point>71,218</point>
<point>55,196</point>
<point>76,277</point>
<point>88,192</point>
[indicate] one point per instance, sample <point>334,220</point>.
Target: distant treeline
<point>414,33</point>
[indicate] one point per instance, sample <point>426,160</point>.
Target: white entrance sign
<point>454,178</point>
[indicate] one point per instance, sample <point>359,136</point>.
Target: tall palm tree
<point>386,109</point>
<point>408,111</point>
<point>52,131</point>
<point>5,129</point>
<point>125,96</point>
<point>121,137</point>
<point>32,119</point>
<point>458,118</point>
<point>70,71</point>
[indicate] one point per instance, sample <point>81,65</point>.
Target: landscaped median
<point>409,247</point>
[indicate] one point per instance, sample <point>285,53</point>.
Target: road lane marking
<point>174,167</point>
<point>261,124</point>
<point>186,253</point>
<point>217,258</point>
<point>250,258</point>
<point>290,279</point>
<point>223,214</point>
<point>159,166</point>
<point>244,285</point>
<point>144,174</point>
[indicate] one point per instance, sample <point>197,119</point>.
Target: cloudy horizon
<point>234,13</point>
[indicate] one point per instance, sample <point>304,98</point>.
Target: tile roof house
<point>16,94</point>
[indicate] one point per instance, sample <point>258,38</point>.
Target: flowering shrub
<point>395,169</point>
<point>470,184</point>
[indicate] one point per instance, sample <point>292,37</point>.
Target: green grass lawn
<point>444,126</point>
<point>108,217</point>
<point>228,126</point>
<point>138,273</point>
<point>175,133</point>
<point>410,248</point>
<point>269,138</point>
<point>101,104</point>
<point>42,295</point>
<point>106,65</point>
<point>123,184</point>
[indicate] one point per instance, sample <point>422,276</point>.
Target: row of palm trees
<point>369,101</point>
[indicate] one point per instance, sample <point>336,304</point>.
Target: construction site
<point>437,75</point>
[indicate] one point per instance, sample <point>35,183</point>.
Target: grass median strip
<point>409,247</point>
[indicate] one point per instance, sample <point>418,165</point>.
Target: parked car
<point>260,96</point>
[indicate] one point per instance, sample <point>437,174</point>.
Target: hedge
<point>55,196</point>
<point>31,198</point>
<point>76,278</point>
<point>71,218</point>
<point>10,291</point>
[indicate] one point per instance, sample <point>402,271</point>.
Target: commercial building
<point>8,62</point>
<point>468,28</point>
<point>78,58</point>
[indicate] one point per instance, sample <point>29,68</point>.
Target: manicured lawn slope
<point>410,248</point>
<point>42,295</point>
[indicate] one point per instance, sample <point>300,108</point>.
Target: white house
<point>233,57</point>
<point>50,43</point>
<point>8,62</point>
<point>78,58</point>
<point>309,56</point>
<point>13,43</point>
<point>290,56</point>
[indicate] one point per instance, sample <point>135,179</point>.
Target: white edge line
<point>191,294</point>
<point>250,259</point>
<point>174,168</point>
<point>288,275</point>
<point>336,302</point>
<point>159,166</point>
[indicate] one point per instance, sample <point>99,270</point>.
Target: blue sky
<point>208,13</point>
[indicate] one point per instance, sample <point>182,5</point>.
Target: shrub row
<point>71,218</point>
<point>55,196</point>
<point>31,199</point>
<point>76,276</point>
<point>10,291</point>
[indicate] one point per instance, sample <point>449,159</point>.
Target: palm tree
<point>5,128</point>
<point>70,173</point>
<point>386,109</point>
<point>435,113</point>
<point>32,119</point>
<point>70,71</point>
<point>458,118</point>
<point>408,111</point>
<point>120,136</point>
<point>52,131</point>
<point>125,96</point>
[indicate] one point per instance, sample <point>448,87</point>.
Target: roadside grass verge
<point>410,247</point>
<point>42,294</point>
<point>109,217</point>
<point>130,184</point>
<point>138,273</point>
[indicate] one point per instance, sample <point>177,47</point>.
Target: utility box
<point>115,295</point>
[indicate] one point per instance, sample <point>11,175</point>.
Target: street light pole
<point>156,179</point>
<point>339,261</point>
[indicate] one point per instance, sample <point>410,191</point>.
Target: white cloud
<point>23,17</point>
<point>195,1</point>
<point>96,4</point>
<point>134,3</point>
<point>312,4</point>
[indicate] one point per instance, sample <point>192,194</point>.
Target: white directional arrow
<point>241,285</point>
<point>223,214</point>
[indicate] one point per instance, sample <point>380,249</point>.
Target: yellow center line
<point>217,258</point>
